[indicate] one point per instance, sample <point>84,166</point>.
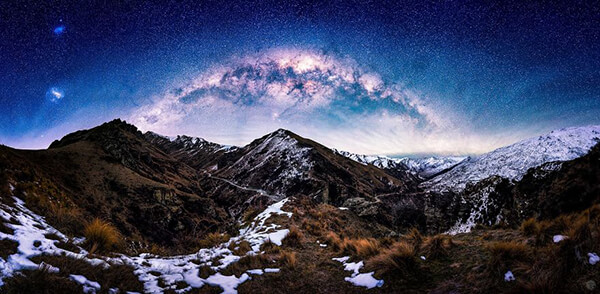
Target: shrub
<point>102,236</point>
<point>400,258</point>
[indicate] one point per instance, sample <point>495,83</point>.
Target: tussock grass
<point>294,238</point>
<point>414,237</point>
<point>240,248</point>
<point>530,227</point>
<point>7,248</point>
<point>101,236</point>
<point>213,239</point>
<point>288,259</point>
<point>115,276</point>
<point>39,281</point>
<point>437,246</point>
<point>269,247</point>
<point>361,248</point>
<point>505,254</point>
<point>400,258</point>
<point>334,241</point>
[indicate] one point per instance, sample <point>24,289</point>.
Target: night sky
<point>448,77</point>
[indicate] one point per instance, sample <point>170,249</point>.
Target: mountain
<point>284,163</point>
<point>112,209</point>
<point>424,168</point>
<point>195,152</point>
<point>513,161</point>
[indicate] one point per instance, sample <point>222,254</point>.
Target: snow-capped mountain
<point>425,167</point>
<point>513,161</point>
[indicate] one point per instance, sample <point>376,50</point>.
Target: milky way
<point>367,77</point>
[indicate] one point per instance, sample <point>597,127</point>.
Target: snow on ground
<point>181,268</point>
<point>31,230</point>
<point>558,238</point>
<point>508,276</point>
<point>593,258</point>
<point>358,279</point>
<point>88,286</point>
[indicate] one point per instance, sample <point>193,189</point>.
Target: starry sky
<point>396,78</point>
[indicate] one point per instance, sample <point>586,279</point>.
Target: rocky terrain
<point>113,209</point>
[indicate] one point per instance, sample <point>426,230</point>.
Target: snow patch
<point>32,228</point>
<point>558,238</point>
<point>508,276</point>
<point>356,278</point>
<point>593,258</point>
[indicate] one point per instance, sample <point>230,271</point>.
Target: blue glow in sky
<point>455,77</point>
<point>59,30</point>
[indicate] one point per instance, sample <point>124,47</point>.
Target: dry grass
<point>240,248</point>
<point>205,271</point>
<point>505,254</point>
<point>7,248</point>
<point>115,276</point>
<point>68,218</point>
<point>400,259</point>
<point>288,259</point>
<point>530,227</point>
<point>246,263</point>
<point>269,247</point>
<point>414,237</point>
<point>361,248</point>
<point>294,238</point>
<point>313,227</point>
<point>334,241</point>
<point>39,281</point>
<point>437,246</point>
<point>102,236</point>
<point>213,239</point>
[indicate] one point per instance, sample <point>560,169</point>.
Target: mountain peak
<point>112,129</point>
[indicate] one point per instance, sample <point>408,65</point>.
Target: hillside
<point>112,209</point>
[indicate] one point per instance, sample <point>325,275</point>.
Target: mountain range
<point>168,196</point>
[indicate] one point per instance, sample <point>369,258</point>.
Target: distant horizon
<point>392,155</point>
